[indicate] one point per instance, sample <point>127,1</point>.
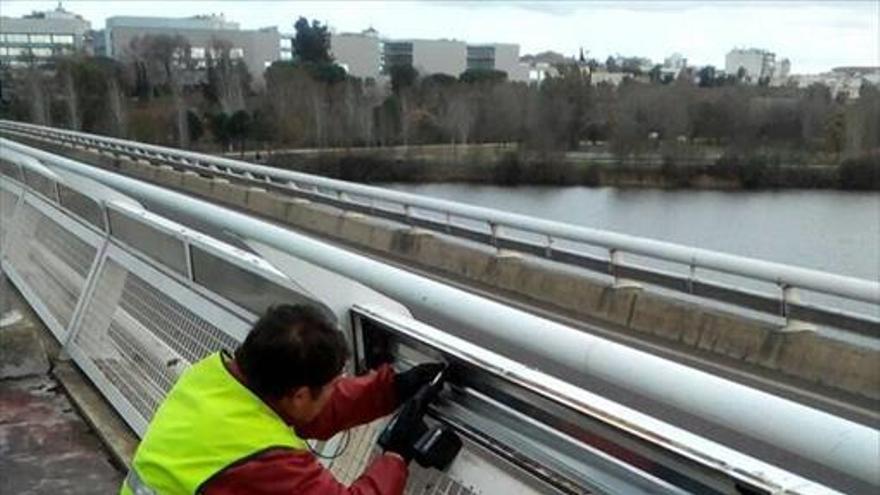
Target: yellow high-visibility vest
<point>208,422</point>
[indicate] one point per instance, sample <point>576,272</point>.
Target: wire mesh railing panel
<point>8,202</point>
<point>52,261</point>
<point>140,338</point>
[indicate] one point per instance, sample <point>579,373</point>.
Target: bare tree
<point>165,61</point>
<point>227,77</point>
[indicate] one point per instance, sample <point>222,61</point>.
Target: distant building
<point>676,61</point>
<point>844,82</point>
<point>360,54</point>
<point>783,69</point>
<point>497,56</point>
<point>427,56</point>
<point>612,78</point>
<point>256,48</point>
<point>542,65</point>
<point>757,63</point>
<point>367,55</point>
<point>42,35</point>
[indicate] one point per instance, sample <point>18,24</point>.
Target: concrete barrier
<point>168,177</point>
<point>137,169</point>
<point>233,194</point>
<point>267,204</point>
<point>196,184</point>
<point>839,366</point>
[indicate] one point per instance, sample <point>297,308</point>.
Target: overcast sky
<point>814,35</point>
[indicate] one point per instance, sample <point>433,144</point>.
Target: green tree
<point>311,43</point>
<point>611,64</point>
<point>656,74</point>
<point>219,125</point>
<point>239,127</point>
<point>835,132</point>
<point>403,76</point>
<point>195,126</point>
<point>326,72</point>
<point>706,76</point>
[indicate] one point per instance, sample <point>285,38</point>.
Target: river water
<point>832,231</point>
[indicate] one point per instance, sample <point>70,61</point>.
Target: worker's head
<point>292,356</point>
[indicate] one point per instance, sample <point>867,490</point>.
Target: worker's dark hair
<point>290,347</point>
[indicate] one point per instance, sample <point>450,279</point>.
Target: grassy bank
<point>512,168</point>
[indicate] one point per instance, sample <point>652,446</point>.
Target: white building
<point>426,56</point>
<point>757,63</point>
<point>41,35</point>
<point>676,61</point>
<point>360,54</point>
<point>841,81</point>
<point>367,55</point>
<point>497,56</point>
<point>256,48</point>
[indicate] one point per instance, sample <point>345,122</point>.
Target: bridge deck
<point>45,446</point>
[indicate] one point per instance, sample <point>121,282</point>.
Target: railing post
<point>791,295</point>
<point>496,229</point>
<point>692,275</point>
<point>548,248</point>
<point>615,257</point>
<point>407,210</point>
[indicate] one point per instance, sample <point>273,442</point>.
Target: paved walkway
<point>45,446</point>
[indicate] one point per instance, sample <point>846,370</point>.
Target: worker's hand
<point>402,432</point>
<point>410,381</point>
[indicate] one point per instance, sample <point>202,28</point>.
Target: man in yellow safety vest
<point>238,424</point>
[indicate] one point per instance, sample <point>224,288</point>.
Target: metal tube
<point>842,445</point>
<point>828,283</point>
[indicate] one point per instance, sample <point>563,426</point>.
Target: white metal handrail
<point>788,278</point>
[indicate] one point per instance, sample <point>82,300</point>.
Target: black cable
<point>339,450</point>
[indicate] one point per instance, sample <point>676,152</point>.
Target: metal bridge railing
<point>694,271</point>
<point>135,298</point>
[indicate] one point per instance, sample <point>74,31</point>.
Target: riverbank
<point>507,166</point>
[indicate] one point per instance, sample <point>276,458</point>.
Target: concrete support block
<point>616,305</point>
<point>443,253</point>
<point>835,364</point>
<point>355,228</point>
<point>137,169</point>
<point>167,176</point>
<point>267,204</point>
<point>196,184</point>
<point>381,238</point>
<point>226,192</point>
<point>312,216</point>
<point>665,318</point>
<point>732,336</point>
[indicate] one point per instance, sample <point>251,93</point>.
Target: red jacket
<point>353,401</point>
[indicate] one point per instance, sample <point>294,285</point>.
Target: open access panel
<point>528,432</point>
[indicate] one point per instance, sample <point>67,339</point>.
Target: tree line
<point>162,94</point>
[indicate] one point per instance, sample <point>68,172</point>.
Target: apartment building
<point>369,56</point>
<point>256,48</point>
<point>498,56</point>
<point>360,54</point>
<point>757,63</point>
<point>42,35</point>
